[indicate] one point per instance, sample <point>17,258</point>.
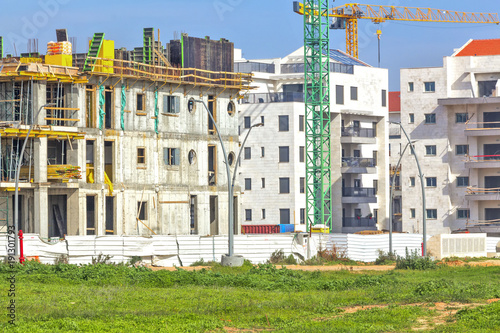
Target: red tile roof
<point>394,101</point>
<point>481,47</point>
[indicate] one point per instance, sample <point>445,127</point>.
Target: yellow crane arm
<point>381,13</point>
<point>347,17</point>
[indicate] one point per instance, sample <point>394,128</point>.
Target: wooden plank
<point>70,109</point>
<point>141,113</point>
<point>62,119</point>
<point>59,220</point>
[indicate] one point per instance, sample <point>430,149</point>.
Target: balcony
<point>483,162</point>
<point>356,195</point>
<point>249,67</point>
<point>358,135</point>
<point>358,165</point>
<point>272,98</point>
<point>482,194</point>
<point>490,128</point>
<point>359,222</point>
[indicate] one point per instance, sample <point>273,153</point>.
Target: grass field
<point>106,298</point>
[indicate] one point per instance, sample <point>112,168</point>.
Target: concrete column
<point>40,156</point>
<point>336,172</point>
<point>73,204</point>
<point>39,99</point>
<point>41,213</point>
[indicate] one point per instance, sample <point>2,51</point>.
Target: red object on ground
<point>261,229</point>
<point>21,247</point>
<point>422,249</point>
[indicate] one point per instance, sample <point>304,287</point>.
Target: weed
<point>278,258</point>
<point>385,258</point>
<point>101,259</point>
<point>62,259</point>
<point>414,261</point>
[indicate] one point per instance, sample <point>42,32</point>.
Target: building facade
<point>120,148</point>
<point>452,112</point>
<point>273,167</point>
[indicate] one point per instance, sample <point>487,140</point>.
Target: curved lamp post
<point>18,168</point>
<point>230,181</point>
<point>421,176</point>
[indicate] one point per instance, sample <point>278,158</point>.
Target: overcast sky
<point>262,28</point>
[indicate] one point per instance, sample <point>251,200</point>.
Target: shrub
<point>278,258</point>
<point>101,259</point>
<point>385,258</point>
<point>414,261</point>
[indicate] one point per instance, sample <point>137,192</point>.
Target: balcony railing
<point>272,98</point>
<point>334,68</point>
<point>358,192</point>
<point>249,67</point>
<point>358,162</point>
<point>478,190</point>
<point>357,222</point>
<point>482,125</point>
<point>358,132</point>
<point>483,158</point>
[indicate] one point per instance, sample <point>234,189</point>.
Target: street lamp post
<point>18,168</point>
<point>229,259</point>
<point>421,176</point>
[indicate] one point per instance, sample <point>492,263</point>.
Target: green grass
<point>98,298</point>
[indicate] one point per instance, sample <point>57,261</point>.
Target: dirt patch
<point>444,312</point>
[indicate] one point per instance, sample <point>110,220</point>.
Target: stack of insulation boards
<point>62,172</point>
<point>59,53</point>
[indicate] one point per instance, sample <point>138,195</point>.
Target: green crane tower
<point>317,110</point>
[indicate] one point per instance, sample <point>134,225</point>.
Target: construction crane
<point>317,93</point>
<point>347,16</point>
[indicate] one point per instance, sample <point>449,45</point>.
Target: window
<point>263,182</point>
<point>432,214</point>
<point>248,153</point>
<point>412,181</point>
<point>283,123</point>
<point>141,101</point>
<point>248,184</point>
<point>142,209</point>
<point>461,149</point>
<point>262,151</point>
<point>141,155</point>
<point>230,158</point>
<point>248,215</point>
<point>191,105</point>
<point>412,213</point>
<point>192,157</point>
<point>284,154</point>
<point>410,87</point>
<point>263,214</point>
<point>462,181</point>
<point>354,93</point>
<point>301,123</point>
<point>284,185</point>
<point>302,185</point>
<point>430,150</point>
<point>384,97</point>
<point>302,153</point>
<point>284,216</point>
<point>461,117</point>
<point>262,119</point>
<point>429,86</point>
<point>302,216</point>
<point>431,181</point>
<point>171,156</point>
<point>231,108</point>
<point>339,94</point>
<point>247,122</point>
<point>411,118</point>
<point>430,118</point>
<point>375,186</point>
<point>171,104</point>
<point>463,213</point>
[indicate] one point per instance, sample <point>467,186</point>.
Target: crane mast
<point>317,112</point>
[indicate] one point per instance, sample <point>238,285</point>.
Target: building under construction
<point>121,145</point>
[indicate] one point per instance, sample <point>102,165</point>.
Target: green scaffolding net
<point>102,101</point>
<point>124,103</point>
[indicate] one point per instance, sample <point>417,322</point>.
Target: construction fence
<point>185,250</point>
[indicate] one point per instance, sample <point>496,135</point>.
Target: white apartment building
<point>273,167</point>
<point>453,114</point>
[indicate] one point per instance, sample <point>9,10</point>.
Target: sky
<point>261,28</point>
